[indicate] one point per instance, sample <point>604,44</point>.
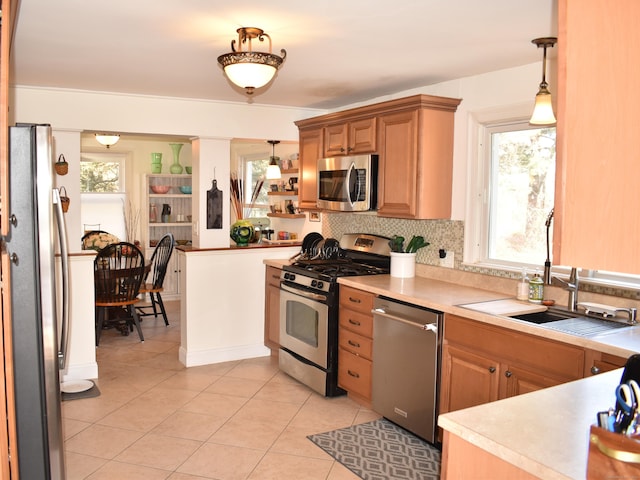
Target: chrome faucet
<point>572,287</point>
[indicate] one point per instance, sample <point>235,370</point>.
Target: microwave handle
<point>353,171</point>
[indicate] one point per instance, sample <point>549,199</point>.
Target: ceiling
<point>338,52</point>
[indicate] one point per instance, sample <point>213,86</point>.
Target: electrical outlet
<point>447,261</point>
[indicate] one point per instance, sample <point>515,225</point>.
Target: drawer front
<point>357,322</point>
<point>354,373</point>
<point>356,299</point>
<point>356,344</point>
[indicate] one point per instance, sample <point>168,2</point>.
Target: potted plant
<point>403,258</point>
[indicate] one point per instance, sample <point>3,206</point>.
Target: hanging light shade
<point>273,170</point>
<point>247,68</point>
<point>107,139</point>
<point>543,109</point>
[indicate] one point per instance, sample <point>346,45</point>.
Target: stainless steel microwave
<point>348,184</point>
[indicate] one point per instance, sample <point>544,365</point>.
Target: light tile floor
<point>156,419</point>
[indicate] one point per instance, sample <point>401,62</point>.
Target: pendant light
<point>107,139</point>
<point>250,69</point>
<point>543,109</point>
<point>273,170</point>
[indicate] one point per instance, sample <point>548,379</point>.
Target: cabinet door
<point>597,165</point>
<point>467,379</point>
<point>310,151</point>
<point>517,381</point>
<point>272,308</point>
<point>600,362</point>
<point>398,170</point>
<point>171,285</point>
<point>335,139</point>
<point>362,136</point>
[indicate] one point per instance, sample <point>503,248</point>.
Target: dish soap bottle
<point>522,292</point>
<point>536,288</point>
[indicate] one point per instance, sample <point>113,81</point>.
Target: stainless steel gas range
<point>309,299</point>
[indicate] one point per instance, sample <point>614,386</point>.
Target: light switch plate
<point>447,261</point>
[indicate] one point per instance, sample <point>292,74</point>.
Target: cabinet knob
<point>353,374</point>
<point>595,370</point>
<point>342,149</point>
<point>492,369</point>
<point>508,374</point>
<point>354,322</point>
<point>354,344</point>
<point>354,300</point>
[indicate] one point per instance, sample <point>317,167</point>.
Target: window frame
<point>477,209</point>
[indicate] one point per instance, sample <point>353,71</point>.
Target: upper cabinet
<point>597,161</point>
<point>350,138</point>
<point>413,137</point>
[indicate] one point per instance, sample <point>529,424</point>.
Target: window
<point>102,173</point>
<point>255,169</point>
<point>521,191</point>
<point>102,187</point>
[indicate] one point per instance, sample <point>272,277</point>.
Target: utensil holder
<point>403,265</point>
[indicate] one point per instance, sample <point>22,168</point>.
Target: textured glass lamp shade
<point>106,139</point>
<point>543,109</point>
<point>273,170</point>
<point>250,75</point>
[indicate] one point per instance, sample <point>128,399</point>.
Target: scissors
<point>627,397</point>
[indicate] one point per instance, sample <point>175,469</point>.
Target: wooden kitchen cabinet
<point>355,339</point>
<point>413,137</point>
<point>310,146</point>
<point>272,308</point>
<point>350,138</point>
<point>483,363</point>
<point>597,104</point>
<point>599,362</point>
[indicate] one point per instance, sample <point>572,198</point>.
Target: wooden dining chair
<point>154,285</point>
<point>118,270</point>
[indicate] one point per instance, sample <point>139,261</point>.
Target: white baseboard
<point>80,372</point>
<point>219,355</point>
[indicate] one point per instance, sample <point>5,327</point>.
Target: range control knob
<point>314,283</point>
<point>320,284</point>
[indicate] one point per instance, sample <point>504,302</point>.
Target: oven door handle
<point>303,293</point>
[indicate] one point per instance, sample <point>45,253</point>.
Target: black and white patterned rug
<point>381,450</point>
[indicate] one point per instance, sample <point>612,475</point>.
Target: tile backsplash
<point>445,234</point>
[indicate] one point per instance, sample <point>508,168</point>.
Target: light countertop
<point>451,298</point>
<point>545,433</point>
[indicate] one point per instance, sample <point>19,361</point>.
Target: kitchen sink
<point>573,323</point>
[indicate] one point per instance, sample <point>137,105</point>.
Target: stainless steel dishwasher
<point>407,343</point>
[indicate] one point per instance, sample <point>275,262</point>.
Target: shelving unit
<point>286,193</point>
<point>180,206</point>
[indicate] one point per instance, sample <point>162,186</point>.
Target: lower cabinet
<point>599,362</point>
<point>272,308</point>
<point>482,363</point>
<point>355,339</point>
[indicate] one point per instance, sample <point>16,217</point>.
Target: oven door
<point>304,324</point>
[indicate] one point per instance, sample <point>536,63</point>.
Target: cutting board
<point>506,307</point>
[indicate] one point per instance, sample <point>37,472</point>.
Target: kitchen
<point>52,105</point>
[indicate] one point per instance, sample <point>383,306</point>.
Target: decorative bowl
<point>189,169</point>
<point>160,188</point>
<point>182,242</point>
<point>186,189</point>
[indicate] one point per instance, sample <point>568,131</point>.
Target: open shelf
<point>286,215</point>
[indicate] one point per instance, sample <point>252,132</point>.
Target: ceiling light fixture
<point>249,69</point>
<point>273,170</point>
<point>543,109</point>
<point>107,139</point>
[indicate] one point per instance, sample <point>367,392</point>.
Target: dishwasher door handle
<point>429,327</point>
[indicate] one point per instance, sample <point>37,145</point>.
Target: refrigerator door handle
<point>64,254</point>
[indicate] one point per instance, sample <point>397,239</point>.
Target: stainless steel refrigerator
<point>39,326</point>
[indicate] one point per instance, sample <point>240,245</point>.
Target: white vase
<point>403,265</point>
